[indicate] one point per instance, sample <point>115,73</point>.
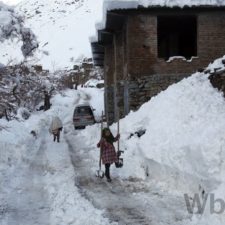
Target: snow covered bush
<point>21,86</point>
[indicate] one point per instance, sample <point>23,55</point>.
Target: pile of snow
<point>184,140</point>
<point>184,127</point>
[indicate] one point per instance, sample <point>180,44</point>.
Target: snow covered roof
<point>110,5</point>
<point>127,4</point>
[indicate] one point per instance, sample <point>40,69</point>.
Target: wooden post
<point>115,80</point>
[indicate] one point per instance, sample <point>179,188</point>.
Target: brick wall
<point>143,51</point>
<point>211,36</point>
<point>141,42</point>
<point>138,65</point>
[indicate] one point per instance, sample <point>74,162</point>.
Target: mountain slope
<point>62,29</point>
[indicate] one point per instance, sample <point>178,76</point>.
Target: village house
<point>145,46</point>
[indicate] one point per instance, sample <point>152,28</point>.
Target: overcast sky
<point>11,2</point>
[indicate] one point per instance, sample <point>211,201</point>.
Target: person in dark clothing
<point>47,104</point>
<point>108,154</point>
<point>56,134</point>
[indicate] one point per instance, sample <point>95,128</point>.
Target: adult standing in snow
<point>108,154</point>
<point>55,128</point>
<point>46,101</point>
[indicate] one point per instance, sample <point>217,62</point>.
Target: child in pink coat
<point>108,152</point>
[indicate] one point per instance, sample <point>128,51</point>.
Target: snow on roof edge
<point>128,4</point>
<point>109,5</point>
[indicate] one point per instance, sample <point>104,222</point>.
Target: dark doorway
<point>177,36</point>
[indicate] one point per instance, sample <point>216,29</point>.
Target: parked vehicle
<point>83,116</point>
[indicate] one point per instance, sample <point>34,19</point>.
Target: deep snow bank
<point>184,127</point>
<point>185,134</point>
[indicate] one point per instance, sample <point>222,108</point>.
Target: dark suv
<point>83,116</point>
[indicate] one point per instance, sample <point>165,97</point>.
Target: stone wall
<point>211,36</point>
<point>141,90</point>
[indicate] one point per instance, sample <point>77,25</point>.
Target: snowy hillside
<point>62,28</point>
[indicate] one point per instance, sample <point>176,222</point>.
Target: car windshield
<point>85,110</point>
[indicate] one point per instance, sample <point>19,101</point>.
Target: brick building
<point>144,49</point>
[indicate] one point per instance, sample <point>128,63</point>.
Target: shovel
<point>119,164</point>
<point>99,173</point>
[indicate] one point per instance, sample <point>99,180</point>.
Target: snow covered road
<point>126,201</point>
<point>54,183</point>
<point>41,189</point>
<point>36,175</point>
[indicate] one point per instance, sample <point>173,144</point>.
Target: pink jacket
<point>108,153</point>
